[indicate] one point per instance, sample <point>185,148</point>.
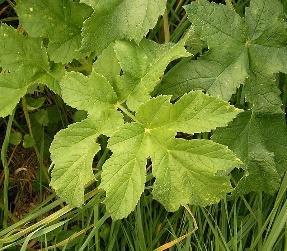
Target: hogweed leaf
<point>263,151</point>
<point>73,151</point>
<point>188,172</point>
<point>143,66</point>
<point>119,19</point>
<point>60,21</point>
<point>92,93</point>
<point>24,62</point>
<point>238,47</point>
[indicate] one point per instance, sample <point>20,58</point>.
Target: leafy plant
<point>149,135</point>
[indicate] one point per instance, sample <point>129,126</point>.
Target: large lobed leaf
<point>193,172</point>
<point>237,46</point>
<point>123,78</point>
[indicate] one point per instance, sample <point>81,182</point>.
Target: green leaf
<point>35,103</point>
<point>73,149</point>
<point>119,19</point>
<point>219,72</point>
<point>28,141</point>
<point>187,172</point>
<point>72,152</point>
<point>263,94</point>
<point>13,86</point>
<point>143,66</point>
<point>263,151</point>
<point>238,48</point>
<point>60,21</point>
<point>15,138</point>
<point>155,123</point>
<point>124,174</point>
<point>19,52</point>
<point>79,116</point>
<point>24,61</point>
<point>152,134</point>
<point>93,93</point>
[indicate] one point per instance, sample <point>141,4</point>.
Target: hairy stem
<point>6,169</point>
<point>128,113</point>
<point>28,121</point>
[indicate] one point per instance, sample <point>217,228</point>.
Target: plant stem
<point>6,169</point>
<point>9,19</point>
<point>127,112</point>
<point>28,121</point>
<point>102,159</point>
<point>166,27</point>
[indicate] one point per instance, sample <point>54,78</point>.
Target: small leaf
<point>15,138</point>
<point>13,86</point>
<point>28,141</point>
<point>79,116</point>
<point>35,103</point>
